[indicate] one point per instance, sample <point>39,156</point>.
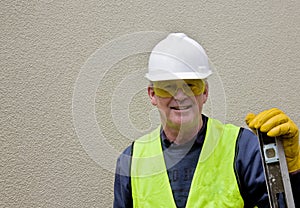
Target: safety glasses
<point>191,87</point>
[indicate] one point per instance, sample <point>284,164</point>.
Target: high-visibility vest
<point>214,182</point>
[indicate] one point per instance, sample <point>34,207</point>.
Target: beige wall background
<point>52,154</point>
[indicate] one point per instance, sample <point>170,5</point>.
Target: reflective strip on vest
<point>214,182</point>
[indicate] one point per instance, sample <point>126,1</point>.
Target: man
<point>192,160</point>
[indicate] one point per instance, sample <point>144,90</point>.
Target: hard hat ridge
<point>178,57</point>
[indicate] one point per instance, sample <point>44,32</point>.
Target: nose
<point>180,95</point>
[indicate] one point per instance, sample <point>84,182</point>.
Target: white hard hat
<point>178,57</point>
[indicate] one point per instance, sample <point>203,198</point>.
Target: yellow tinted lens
<point>165,88</point>
<point>187,89</point>
<point>196,86</point>
<point>190,87</point>
<point>162,93</point>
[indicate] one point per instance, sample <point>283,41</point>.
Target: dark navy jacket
<point>181,161</point>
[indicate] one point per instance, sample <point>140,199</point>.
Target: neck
<point>183,134</point>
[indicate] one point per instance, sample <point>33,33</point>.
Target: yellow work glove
<point>276,124</point>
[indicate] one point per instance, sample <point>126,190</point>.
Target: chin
<point>184,123</point>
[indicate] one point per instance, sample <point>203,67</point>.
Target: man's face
<point>181,108</point>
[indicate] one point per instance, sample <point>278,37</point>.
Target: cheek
<point>163,103</point>
<point>199,101</point>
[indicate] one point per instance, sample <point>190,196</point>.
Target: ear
<point>152,96</point>
<point>205,93</point>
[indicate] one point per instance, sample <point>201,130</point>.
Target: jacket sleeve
<point>249,171</point>
<point>122,186</point>
<point>295,181</point>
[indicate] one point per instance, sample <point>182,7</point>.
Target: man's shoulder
<point>248,135</point>
<point>127,150</point>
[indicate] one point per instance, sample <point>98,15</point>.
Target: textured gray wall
<point>45,158</point>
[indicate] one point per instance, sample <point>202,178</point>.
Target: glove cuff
<point>293,163</point>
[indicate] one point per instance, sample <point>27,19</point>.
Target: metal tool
<point>276,171</point>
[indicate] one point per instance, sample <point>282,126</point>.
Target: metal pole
<point>276,171</point>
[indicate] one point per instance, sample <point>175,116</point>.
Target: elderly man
<point>191,160</point>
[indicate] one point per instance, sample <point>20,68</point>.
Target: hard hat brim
<point>163,76</point>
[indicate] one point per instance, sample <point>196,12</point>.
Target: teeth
<point>181,108</point>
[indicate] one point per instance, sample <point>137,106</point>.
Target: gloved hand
<point>276,124</point>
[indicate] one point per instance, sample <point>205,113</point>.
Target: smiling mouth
<point>181,107</point>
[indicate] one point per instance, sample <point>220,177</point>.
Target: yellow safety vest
<point>214,182</point>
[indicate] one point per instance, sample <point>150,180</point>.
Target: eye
<point>169,87</point>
